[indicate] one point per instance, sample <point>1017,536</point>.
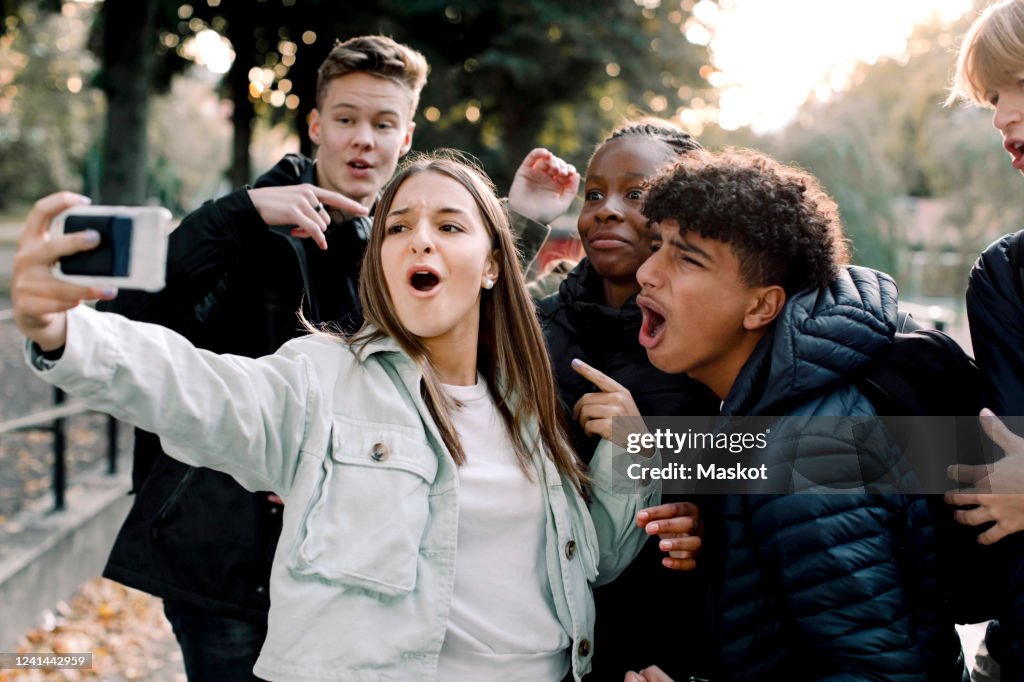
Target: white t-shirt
<point>502,624</point>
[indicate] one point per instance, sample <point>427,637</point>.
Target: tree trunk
<point>242,29</point>
<point>129,55</point>
<point>522,121</point>
<point>242,116</point>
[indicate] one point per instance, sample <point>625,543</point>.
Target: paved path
<point>9,232</point>
<point>6,266</point>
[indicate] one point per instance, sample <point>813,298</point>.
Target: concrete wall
<point>52,553</point>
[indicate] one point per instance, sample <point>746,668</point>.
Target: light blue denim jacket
<point>362,581</point>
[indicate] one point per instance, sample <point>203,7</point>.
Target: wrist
<point>529,212</point>
<point>52,338</point>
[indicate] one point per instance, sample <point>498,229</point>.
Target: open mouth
<point>652,327</point>
<point>1016,151</point>
<point>359,164</point>
<point>423,280</point>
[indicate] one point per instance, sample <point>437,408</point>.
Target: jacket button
<point>380,452</point>
<point>260,590</point>
<point>570,550</point>
<point>584,648</point>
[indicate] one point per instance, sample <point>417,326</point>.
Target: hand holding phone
<point>132,253</point>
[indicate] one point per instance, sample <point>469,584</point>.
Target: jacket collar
<point>581,294</point>
<point>822,337</point>
<point>378,342</point>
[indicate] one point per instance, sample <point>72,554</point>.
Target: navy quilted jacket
<point>824,586</point>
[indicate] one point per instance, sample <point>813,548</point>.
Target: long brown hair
<point>511,353</point>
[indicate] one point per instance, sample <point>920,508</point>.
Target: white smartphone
<point>132,253</point>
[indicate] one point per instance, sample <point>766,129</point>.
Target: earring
<point>488,283</point>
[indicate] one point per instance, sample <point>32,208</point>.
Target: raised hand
<point>41,300</point>
<point>305,206</point>
<point>544,186</point>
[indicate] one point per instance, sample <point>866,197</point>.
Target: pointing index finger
<point>596,377</point>
<point>339,201</point>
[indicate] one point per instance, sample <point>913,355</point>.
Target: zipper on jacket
<point>165,508</point>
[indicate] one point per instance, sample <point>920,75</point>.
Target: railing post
<point>111,446</point>
<point>59,472</point>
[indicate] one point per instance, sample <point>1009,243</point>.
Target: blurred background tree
<point>48,114</point>
<point>922,188</point>
<point>505,77</point>
<point>203,96</point>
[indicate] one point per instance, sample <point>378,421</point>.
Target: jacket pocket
<point>170,503</point>
<point>364,526</point>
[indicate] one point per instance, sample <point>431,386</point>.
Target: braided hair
<point>679,140</point>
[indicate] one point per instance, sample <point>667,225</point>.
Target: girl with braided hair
<point>594,318</point>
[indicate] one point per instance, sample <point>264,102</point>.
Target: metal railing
<point>53,420</point>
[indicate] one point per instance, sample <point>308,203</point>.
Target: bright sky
<point>772,53</point>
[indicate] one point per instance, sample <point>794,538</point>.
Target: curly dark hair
<point>782,226</point>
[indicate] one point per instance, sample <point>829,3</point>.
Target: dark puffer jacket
<point>577,324</point>
<point>995,309</point>
<point>824,586</point>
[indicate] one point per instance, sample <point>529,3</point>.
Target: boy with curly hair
<point>749,292</point>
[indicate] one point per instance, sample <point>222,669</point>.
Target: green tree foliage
<point>840,145</point>
<point>554,73</point>
<point>47,113</point>
<point>128,30</point>
<point>888,141</point>
<point>504,76</point>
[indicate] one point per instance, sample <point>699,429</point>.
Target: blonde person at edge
<point>990,73</point>
<point>436,520</point>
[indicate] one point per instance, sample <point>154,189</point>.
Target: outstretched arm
<point>249,418</point>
